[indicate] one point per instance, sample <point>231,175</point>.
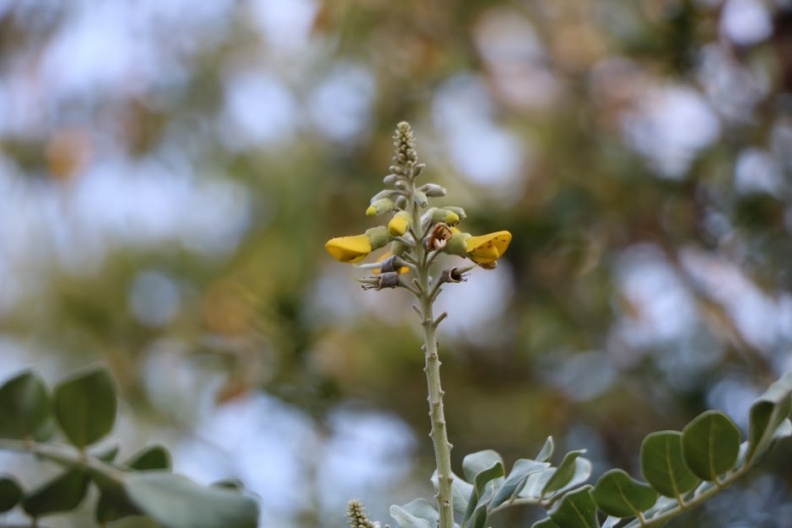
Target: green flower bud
<point>401,202</point>
<point>378,237</point>
<point>420,199</point>
<point>381,206</point>
<point>445,216</point>
<point>387,193</point>
<point>433,190</point>
<point>418,169</point>
<point>458,210</point>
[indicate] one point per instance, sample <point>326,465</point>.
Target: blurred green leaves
<point>85,407</point>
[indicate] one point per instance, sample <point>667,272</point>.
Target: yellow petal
<point>486,249</point>
<point>349,248</point>
<point>399,224</point>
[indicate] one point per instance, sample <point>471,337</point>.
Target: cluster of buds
<point>416,233</point>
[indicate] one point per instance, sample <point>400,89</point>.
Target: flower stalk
<point>418,235</point>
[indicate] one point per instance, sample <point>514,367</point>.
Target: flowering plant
<point>681,469</point>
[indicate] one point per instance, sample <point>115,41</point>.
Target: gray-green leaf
<point>416,514</point>
<point>177,502</point>
<point>516,480</point>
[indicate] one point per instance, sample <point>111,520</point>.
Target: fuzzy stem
<point>439,433</point>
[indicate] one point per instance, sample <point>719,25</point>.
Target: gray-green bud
<point>420,199</point>
<point>390,179</point>
<point>381,206</point>
<point>433,190</point>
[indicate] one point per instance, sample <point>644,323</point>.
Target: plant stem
<point>439,433</point>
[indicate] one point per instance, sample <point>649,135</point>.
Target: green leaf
<point>416,514</point>
<point>113,502</point>
<point>113,505</point>
<point>710,445</point>
<point>61,494</point>
<point>547,450</point>
<point>662,464</point>
<point>177,502</point>
<point>767,414</point>
<point>85,406</point>
<point>151,457</point>
<point>25,408</point>
<point>486,481</point>
<point>10,493</point>
<point>516,480</point>
<point>564,473</point>
<point>619,495</point>
<point>107,454</point>
<point>576,510</point>
<point>475,463</point>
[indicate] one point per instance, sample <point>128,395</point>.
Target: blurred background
<point>170,171</point>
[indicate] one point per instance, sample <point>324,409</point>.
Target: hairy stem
<point>439,433</point>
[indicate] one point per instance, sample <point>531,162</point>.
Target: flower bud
<point>433,190</point>
<point>401,202</point>
<point>458,210</point>
<point>445,216</point>
<point>399,224</point>
<point>390,179</point>
<point>420,199</point>
<point>381,206</point>
<point>387,193</point>
<point>418,169</point>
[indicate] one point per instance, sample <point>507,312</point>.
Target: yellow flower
<point>349,248</point>
<point>486,249</point>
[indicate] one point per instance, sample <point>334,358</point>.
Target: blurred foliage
<point>650,208</point>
